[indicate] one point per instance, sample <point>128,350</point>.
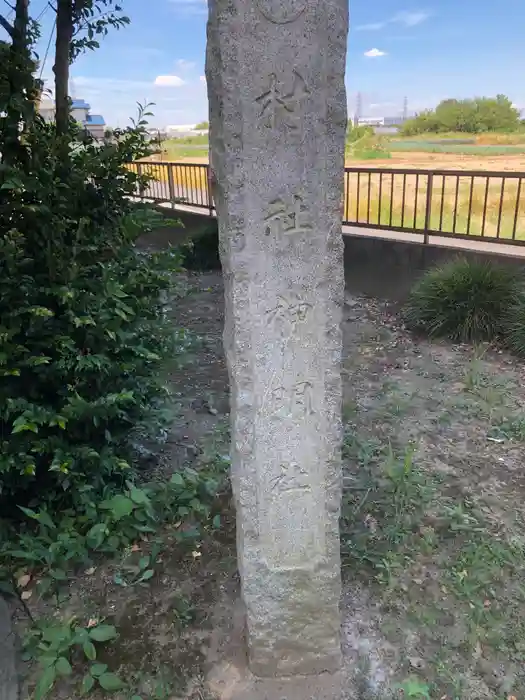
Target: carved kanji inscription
<point>280,103</point>
<point>287,217</point>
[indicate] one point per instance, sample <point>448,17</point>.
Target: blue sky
<point>429,51</point>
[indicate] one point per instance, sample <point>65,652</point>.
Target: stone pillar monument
<point>275,72</point>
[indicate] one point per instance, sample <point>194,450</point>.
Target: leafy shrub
<point>464,300</point>
<point>356,133</point>
<point>58,542</point>
<point>82,335</point>
<point>364,144</point>
<point>514,326</point>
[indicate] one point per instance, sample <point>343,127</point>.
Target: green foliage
<point>515,326</point>
<point>473,116</point>
<point>92,20</point>
<point>83,335</point>
<point>362,143</point>
<point>202,126</point>
<point>355,133</point>
<point>54,647</point>
<point>60,542</point>
<point>464,300</point>
<point>380,509</point>
<point>84,339</point>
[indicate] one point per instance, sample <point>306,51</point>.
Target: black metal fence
<point>182,183</point>
<point>458,203</point>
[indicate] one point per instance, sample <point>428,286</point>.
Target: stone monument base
<point>229,676</point>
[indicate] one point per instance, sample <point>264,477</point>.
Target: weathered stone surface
<point>275,71</point>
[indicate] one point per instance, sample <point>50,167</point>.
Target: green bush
<point>514,326</point>
<point>356,133</point>
<point>473,116</point>
<point>464,300</point>
<point>82,331</point>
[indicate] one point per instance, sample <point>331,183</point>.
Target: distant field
<point>398,200</point>
<point>195,148</point>
<point>188,147</point>
<point>490,207</point>
<point>459,204</point>
<point>488,144</point>
<point>489,138</point>
<point>454,147</point>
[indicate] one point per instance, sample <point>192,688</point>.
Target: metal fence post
<point>428,206</point>
<point>171,185</point>
<point>209,176</point>
<point>139,173</point>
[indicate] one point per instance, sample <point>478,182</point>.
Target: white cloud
<point>411,19</point>
<point>372,27</point>
<point>407,19</point>
<point>190,7</point>
<point>116,99</point>
<point>202,78</point>
<point>168,81</point>
<point>375,53</point>
<point>185,65</point>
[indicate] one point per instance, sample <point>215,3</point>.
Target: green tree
<point>78,24</point>
<point>202,126</point>
<point>470,116</point>
<point>81,319</point>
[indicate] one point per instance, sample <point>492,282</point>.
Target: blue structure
<point>95,120</point>
<point>80,104</point>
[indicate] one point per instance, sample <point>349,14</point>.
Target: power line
<point>47,49</point>
<point>11,10</point>
<point>46,8</point>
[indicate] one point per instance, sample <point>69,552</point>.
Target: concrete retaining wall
<point>374,266</point>
<point>388,268</point>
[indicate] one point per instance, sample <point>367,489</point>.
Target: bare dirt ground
<point>429,161</point>
<point>432,527</point>
<point>446,161</point>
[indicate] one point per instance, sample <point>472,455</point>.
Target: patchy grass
<point>187,147</point>
<point>432,525</point>
<point>489,138</point>
<point>430,146</point>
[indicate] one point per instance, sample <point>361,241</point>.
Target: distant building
<point>80,111</point>
<point>47,110</point>
<point>395,121</point>
<point>371,121</point>
<point>182,130</point>
<point>96,125</point>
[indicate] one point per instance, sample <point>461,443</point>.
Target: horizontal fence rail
<point>458,203</point>
<point>180,183</point>
<point>482,205</point>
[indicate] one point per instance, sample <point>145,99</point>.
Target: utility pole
<point>358,108</point>
<point>405,109</point>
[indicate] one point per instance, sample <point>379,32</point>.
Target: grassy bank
<point>430,146</point>
<point>187,147</point>
<point>488,138</point>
